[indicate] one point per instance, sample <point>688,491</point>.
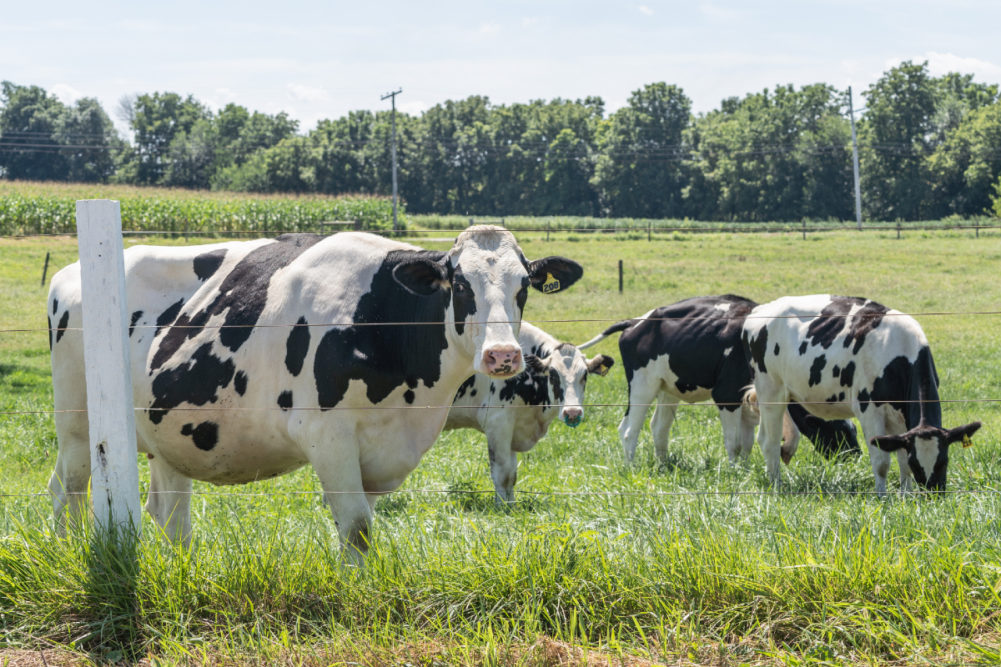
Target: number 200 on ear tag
<point>967,441</point>
<point>551,285</point>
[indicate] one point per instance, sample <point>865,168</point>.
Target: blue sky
<point>321,59</point>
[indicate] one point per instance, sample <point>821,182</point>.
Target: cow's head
<point>488,279</point>
<point>568,370</point>
<point>927,450</point>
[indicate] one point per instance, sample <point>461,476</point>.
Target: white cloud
<point>943,63</point>
<point>307,93</point>
<point>414,108</point>
<point>644,9</point>
<point>489,28</point>
<point>66,93</point>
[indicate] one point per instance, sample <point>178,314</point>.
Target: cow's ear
<point>552,274</point>
<point>962,434</point>
<point>536,365</point>
<point>421,275</point>
<point>600,365</point>
<point>891,443</point>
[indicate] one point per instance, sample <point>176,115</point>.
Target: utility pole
<point>392,96</point>
<point>858,187</point>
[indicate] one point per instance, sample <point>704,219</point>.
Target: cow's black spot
<point>522,296</point>
<point>194,381</point>
<point>695,334</point>
<point>285,400</point>
<point>296,347</point>
<point>833,398</point>
<point>473,392</point>
<point>841,396</point>
<point>409,396</point>
<point>205,435</point>
<point>815,369</point>
<point>530,386</point>
<point>168,316</point>
<point>135,318</point>
<point>557,384</point>
<point>493,388</point>
<point>463,301</point>
<point>465,386</point>
<point>240,383</point>
<point>830,322</point>
<point>776,350</point>
<point>863,400</point>
<point>802,348</point>
<point>911,389</point>
<point>63,322</point>
<point>836,371</point>
<point>757,347</point>
<point>848,375</point>
<point>866,318</point>
<point>55,306</point>
<point>384,356</point>
<point>49,320</point>
<point>208,263</point>
<point>242,296</point>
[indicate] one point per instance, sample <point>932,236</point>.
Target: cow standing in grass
<point>515,413</point>
<point>252,359</point>
<point>689,352</point>
<point>843,357</point>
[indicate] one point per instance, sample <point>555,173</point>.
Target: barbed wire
<point>506,406</point>
<point>684,318</point>
<point>590,493</point>
<point>737,227</point>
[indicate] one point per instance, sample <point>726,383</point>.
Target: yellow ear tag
<point>602,369</point>
<point>551,285</point>
<point>967,441</point>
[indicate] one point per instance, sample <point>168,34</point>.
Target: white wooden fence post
<point>114,472</point>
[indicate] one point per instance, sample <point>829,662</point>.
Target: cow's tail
<point>615,328</point>
<point>790,433</point>
<point>750,400</point>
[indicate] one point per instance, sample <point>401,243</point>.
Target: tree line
<point>930,147</point>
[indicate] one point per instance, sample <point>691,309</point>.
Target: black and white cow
<point>515,413</point>
<point>689,352</point>
<point>252,359</point>
<point>845,357</point>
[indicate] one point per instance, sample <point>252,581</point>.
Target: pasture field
<point>697,562</point>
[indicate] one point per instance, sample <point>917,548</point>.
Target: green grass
<point>696,561</point>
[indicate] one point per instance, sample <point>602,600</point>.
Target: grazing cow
<point>516,413</point>
<point>252,359</point>
<point>688,352</point>
<point>845,357</point>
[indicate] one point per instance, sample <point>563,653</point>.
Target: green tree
<point>29,122</point>
<point>639,169</point>
<point>966,166</point>
<point>89,142</point>
<point>157,119</point>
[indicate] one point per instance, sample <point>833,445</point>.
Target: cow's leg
<point>660,424</point>
<point>169,501</point>
<point>338,467</point>
<point>748,423</point>
<point>503,461</point>
<point>772,398</point>
<point>873,424</point>
<point>733,432</point>
<point>643,390</point>
<point>906,477</point>
<point>68,484</point>
<point>790,438</point>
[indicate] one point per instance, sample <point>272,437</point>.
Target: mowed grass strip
<point>696,561</point>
